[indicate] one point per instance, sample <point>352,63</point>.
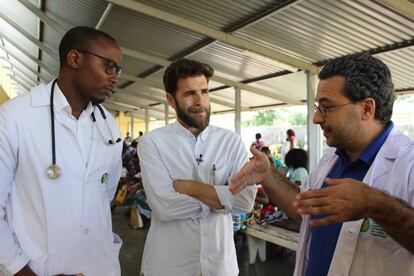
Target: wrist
<point>375,202</point>
<point>269,177</point>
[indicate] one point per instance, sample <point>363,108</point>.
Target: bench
<point>258,235</point>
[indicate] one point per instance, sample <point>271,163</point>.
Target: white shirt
<point>61,225</point>
<point>367,249</point>
<point>186,237</point>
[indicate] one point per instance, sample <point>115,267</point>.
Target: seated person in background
<point>297,162</point>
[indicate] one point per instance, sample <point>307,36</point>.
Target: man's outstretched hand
<point>252,172</point>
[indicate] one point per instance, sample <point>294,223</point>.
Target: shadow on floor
<point>277,263</point>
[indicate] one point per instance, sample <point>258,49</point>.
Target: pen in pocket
<point>213,174</point>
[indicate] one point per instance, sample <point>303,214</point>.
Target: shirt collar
<point>369,153</point>
<point>62,104</point>
<point>182,130</point>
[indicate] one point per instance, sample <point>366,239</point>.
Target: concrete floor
<point>279,263</point>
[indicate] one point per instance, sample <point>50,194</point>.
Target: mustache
<point>195,109</point>
<point>325,128</point>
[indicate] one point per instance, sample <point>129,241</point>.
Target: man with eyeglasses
<point>356,207</point>
<point>55,219</point>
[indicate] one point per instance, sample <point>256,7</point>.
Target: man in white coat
<point>356,207</point>
<point>60,162</point>
<point>185,169</point>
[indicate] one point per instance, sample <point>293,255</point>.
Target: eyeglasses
<point>324,110</point>
<point>111,67</point>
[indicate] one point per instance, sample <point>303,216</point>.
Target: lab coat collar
<point>41,97</point>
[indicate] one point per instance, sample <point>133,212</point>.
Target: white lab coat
<point>61,225</point>
<point>360,252</point>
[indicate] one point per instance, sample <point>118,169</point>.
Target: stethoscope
<point>54,171</point>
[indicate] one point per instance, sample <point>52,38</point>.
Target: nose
<point>113,78</point>
<point>198,97</point>
<point>318,118</point>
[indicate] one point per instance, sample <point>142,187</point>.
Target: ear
<point>171,100</point>
<point>73,59</point>
<point>368,108</point>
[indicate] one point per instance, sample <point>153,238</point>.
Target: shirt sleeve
<point>165,202</point>
<point>243,201</point>
<point>11,256</point>
<point>300,174</point>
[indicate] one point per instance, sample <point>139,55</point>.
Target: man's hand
<point>252,172</point>
<point>344,200</point>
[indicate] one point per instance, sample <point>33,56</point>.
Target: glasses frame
<point>324,110</point>
<point>108,63</point>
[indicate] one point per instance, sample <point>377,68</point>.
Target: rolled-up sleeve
<point>165,202</point>
<point>243,201</point>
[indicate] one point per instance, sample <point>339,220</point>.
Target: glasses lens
<point>110,68</point>
<point>119,71</point>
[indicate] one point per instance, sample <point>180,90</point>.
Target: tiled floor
<point>277,264</point>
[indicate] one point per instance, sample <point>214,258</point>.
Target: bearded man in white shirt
<point>185,169</point>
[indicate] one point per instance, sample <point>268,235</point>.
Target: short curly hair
<point>366,77</point>
<point>296,158</point>
<point>182,69</point>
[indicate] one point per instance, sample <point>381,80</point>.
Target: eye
<point>111,67</point>
<point>205,91</point>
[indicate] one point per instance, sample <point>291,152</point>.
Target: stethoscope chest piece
<point>53,171</point>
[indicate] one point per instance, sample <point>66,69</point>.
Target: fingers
<point>316,193</point>
<point>254,151</point>
<point>330,219</point>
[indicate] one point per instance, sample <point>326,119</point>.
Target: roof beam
<point>135,101</point>
<point>104,16</point>
<point>158,85</point>
<point>42,16</point>
<point>26,53</point>
<point>126,106</point>
<point>165,62</point>
<point>405,7</point>
<point>20,63</point>
<point>215,34</point>
<point>141,93</point>
<point>28,35</point>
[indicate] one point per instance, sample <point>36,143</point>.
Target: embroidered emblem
<point>372,228</point>
<point>104,178</point>
<point>366,224</point>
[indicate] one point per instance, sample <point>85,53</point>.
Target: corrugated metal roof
<point>317,30</point>
<point>401,64</point>
<point>310,30</point>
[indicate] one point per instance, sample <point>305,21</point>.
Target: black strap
<point>52,122</point>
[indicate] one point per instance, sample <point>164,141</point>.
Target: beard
<point>186,116</point>
<point>345,135</point>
